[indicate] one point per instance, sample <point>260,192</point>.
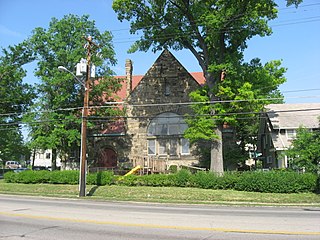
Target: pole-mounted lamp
<point>64,69</point>
<point>83,144</point>
<point>84,67</point>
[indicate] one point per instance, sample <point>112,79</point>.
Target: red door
<point>107,158</point>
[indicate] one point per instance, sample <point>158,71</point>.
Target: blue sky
<point>295,39</point>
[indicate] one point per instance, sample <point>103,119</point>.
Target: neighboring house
<point>43,158</point>
<point>151,134</point>
<point>278,126</point>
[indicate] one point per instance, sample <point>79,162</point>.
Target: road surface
<point>47,218</point>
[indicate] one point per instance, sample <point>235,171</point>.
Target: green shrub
<point>130,180</point>
<point>64,177</point>
<point>318,184</point>
<point>229,180</point>
<point>27,177</point>
<point>157,180</point>
<point>33,177</point>
<point>101,178</point>
<point>276,182</point>
<point>10,177</point>
<point>182,178</point>
<point>206,180</point>
<point>173,169</point>
<point>271,182</point>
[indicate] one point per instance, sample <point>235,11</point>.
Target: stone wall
<point>166,83</point>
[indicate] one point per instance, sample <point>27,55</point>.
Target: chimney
<point>129,69</point>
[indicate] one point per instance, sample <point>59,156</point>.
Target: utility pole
<point>83,153</point>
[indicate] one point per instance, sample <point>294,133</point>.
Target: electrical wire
<point>217,116</point>
<point>279,9</point>
<point>115,104</point>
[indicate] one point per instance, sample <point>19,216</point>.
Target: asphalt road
<point>47,218</point>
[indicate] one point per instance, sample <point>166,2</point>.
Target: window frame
<point>182,146</point>
<point>154,147</point>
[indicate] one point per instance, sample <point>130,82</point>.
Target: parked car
<point>12,165</point>
<point>18,170</point>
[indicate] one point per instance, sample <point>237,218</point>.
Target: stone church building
<point>151,134</point>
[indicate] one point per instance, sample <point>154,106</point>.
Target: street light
<point>64,69</point>
<point>83,144</point>
<point>84,67</point>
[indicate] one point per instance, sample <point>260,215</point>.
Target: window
<point>269,159</point>
<point>291,133</point>
<point>167,124</point>
<point>166,87</point>
<point>48,155</point>
<point>151,147</point>
<point>173,147</point>
<point>185,146</point>
<point>162,147</point>
<point>167,130</point>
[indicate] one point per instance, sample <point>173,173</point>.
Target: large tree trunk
<point>33,158</point>
<point>216,164</point>
<point>54,159</point>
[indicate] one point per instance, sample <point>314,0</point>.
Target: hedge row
<point>271,182</point>
<point>58,177</point>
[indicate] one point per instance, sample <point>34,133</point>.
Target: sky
<point>295,39</point>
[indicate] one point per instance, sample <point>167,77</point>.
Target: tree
<point>55,123</point>
<point>15,99</point>
<point>216,33</point>
<point>304,151</point>
<point>244,91</point>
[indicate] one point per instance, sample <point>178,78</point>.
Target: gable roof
<point>293,116</point>
<point>136,79</point>
<point>198,77</point>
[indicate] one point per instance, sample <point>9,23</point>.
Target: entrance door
<point>107,158</point>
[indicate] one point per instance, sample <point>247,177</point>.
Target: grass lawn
<point>162,194</point>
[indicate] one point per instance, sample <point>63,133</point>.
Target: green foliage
<point>28,177</point>
<point>131,180</point>
<point>60,95</point>
<point>182,178</point>
<point>216,33</point>
<point>59,177</point>
<point>276,182</point>
<point>268,182</point>
<point>201,125</point>
<point>173,168</point>
<point>101,178</point>
<point>63,177</point>
<point>157,180</point>
<point>16,98</point>
<point>304,151</point>
<point>209,180</point>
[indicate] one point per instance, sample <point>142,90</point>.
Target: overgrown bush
<point>10,177</point>
<point>209,180</point>
<point>27,177</point>
<point>276,182</point>
<point>206,180</point>
<point>64,177</point>
<point>269,182</point>
<point>130,180</point>
<point>182,178</point>
<point>101,178</point>
<point>157,180</point>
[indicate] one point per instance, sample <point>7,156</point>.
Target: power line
<point>228,30</point>
<point>115,104</point>
<point>119,118</point>
<point>279,9</point>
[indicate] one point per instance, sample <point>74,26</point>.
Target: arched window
<point>165,133</point>
<point>167,124</point>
